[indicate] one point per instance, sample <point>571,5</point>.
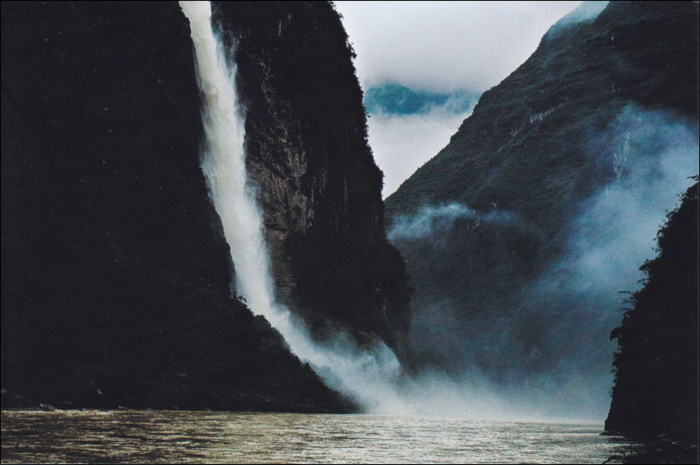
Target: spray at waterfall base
<point>343,366</point>
<point>374,378</point>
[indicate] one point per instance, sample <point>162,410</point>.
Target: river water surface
<point>223,437</point>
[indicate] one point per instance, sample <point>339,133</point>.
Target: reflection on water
<point>222,437</point>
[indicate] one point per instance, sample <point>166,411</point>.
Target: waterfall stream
<point>372,377</point>
<point>367,376</point>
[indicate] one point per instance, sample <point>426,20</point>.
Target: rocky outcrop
<point>495,276</point>
<point>319,187</point>
<point>116,276</point>
<point>656,365</point>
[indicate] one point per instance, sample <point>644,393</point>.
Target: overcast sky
<point>438,47</point>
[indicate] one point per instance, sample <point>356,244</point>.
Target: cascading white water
<point>365,375</point>
<point>223,163</point>
<point>372,377</point>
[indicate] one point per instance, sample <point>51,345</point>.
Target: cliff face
<point>544,113</point>
<point>116,276</point>
<point>656,365</point>
<point>495,228</point>
<point>319,186</point>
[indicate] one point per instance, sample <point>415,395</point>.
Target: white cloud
<point>403,143</point>
<point>444,46</point>
<point>438,47</point>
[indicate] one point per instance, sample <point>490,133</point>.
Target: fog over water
<point>373,377</point>
<point>439,47</point>
<point>552,351</point>
<point>364,375</point>
<point>645,189</point>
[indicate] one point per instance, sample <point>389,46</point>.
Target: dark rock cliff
<point>656,365</point>
<point>542,115</point>
<point>319,186</point>
<point>527,163</point>
<point>115,273</point>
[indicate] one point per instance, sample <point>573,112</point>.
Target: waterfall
<point>223,164</point>
<point>372,377</point>
<point>367,376</point>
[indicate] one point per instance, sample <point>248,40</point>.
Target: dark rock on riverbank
<point>116,277</point>
<point>656,365</point>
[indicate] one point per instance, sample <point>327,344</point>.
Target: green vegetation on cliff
<point>400,100</point>
<point>656,365</point>
<point>517,233</point>
<point>524,146</point>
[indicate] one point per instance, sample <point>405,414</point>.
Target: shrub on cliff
<point>656,365</point>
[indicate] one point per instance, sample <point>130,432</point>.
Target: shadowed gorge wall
<point>656,365</point>
<point>517,234</point>
<point>116,276</point>
<point>319,186</point>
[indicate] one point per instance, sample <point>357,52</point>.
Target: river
<point>224,437</point>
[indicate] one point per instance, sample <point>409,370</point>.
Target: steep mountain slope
<point>509,237</point>
<point>320,188</point>
<point>575,83</point>
<point>116,276</point>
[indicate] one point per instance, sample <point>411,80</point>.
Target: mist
<point>545,348</point>
<point>431,45</point>
<point>371,376</point>
<point>403,143</point>
<point>364,375</point>
<point>544,355</point>
<point>436,47</point>
<point>433,222</point>
<point>586,11</point>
